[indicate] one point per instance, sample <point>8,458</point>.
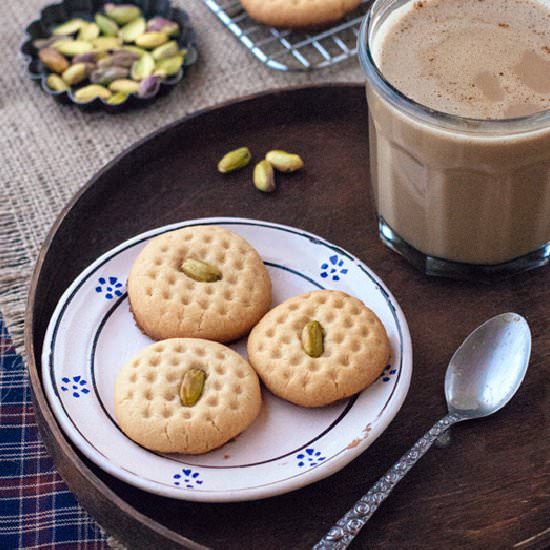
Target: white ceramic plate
<point>92,334</point>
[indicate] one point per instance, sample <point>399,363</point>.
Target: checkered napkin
<point>36,508</point>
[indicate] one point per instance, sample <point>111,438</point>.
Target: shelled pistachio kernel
<point>108,26</point>
<point>234,160</point>
<point>88,32</point>
<point>170,49</point>
<point>70,48</point>
<point>170,66</point>
<point>133,30</point>
<point>264,177</point>
<point>201,271</point>
<point>56,83</point>
<point>104,43</point>
<point>69,27</point>
<point>91,92</point>
<point>122,13</point>
<point>124,85</point>
<point>143,67</point>
<point>75,74</point>
<point>53,60</point>
<point>192,387</point>
<point>150,40</point>
<point>283,161</point>
<point>117,98</point>
<point>313,339</point>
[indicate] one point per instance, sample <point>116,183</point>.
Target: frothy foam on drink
<point>486,59</point>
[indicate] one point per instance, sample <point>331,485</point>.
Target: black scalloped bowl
<point>55,14</point>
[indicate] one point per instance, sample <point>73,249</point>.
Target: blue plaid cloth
<point>36,508</point>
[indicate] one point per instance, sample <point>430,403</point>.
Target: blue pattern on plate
<point>310,457</point>
<point>388,372</point>
<point>109,286</point>
<point>187,478</point>
<point>76,385</point>
<point>334,268</point>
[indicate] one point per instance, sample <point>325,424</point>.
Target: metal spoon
<point>483,375</point>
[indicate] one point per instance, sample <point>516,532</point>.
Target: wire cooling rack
<point>287,50</point>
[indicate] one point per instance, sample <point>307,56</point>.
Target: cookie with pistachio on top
<point>198,282</point>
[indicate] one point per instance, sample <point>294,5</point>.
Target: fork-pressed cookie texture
<point>149,409</point>
<point>298,13</point>
<point>355,348</point>
<point>169,303</point>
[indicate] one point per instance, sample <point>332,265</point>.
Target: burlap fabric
<point>49,151</point>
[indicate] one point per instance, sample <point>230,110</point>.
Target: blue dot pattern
<point>187,478</point>
<point>75,385</point>
<point>109,287</point>
<point>388,373</point>
<point>334,268</point>
<point>310,457</point>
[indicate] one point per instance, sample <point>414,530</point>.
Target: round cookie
<point>168,303</point>
<point>298,13</point>
<point>356,348</point>
<point>149,409</point>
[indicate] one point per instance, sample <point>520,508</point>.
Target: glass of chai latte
<point>459,111</point>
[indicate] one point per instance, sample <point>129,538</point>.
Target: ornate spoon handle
<point>348,526</point>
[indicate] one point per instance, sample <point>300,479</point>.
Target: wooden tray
<point>489,489</point>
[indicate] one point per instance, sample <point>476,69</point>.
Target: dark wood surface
<point>489,489</point>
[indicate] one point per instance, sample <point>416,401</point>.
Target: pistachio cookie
<point>198,282</point>
<point>319,347</point>
<point>299,13</point>
<point>186,395</point>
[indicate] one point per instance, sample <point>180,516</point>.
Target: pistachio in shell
<point>56,83</point>
<point>107,26</point>
<point>170,49</point>
<point>149,87</point>
<point>143,67</point>
<point>122,13</point>
<point>53,60</point>
<point>75,74</point>
<point>69,27</point>
<point>171,65</point>
<point>150,40</point>
<point>124,85</point>
<point>70,48</point>
<point>160,24</point>
<point>131,31</point>
<point>91,92</point>
<point>88,32</point>
<point>117,98</point>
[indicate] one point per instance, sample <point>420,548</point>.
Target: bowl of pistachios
<point>109,55</point>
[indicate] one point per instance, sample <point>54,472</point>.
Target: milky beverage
<point>476,192</point>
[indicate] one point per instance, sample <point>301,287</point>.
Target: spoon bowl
<point>487,369</point>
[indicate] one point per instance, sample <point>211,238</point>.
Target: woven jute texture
<point>49,151</point>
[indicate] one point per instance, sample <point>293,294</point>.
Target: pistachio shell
<point>55,82</point>
<point>117,98</point>
<point>151,40</point>
<point>124,85</point>
<point>264,177</point>
<point>53,60</point>
<point>239,158</point>
<point>170,49</point>
<point>69,27</point>
<point>143,67</point>
<point>104,43</point>
<point>91,92</point>
<point>171,65</point>
<point>75,74</point>
<point>88,32</point>
<point>131,31</point>
<point>71,48</point>
<point>108,26</point>
<point>122,13</point>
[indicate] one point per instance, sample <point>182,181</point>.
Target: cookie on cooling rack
<point>298,13</point>
<point>198,282</point>
<point>318,347</point>
<point>186,395</point>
